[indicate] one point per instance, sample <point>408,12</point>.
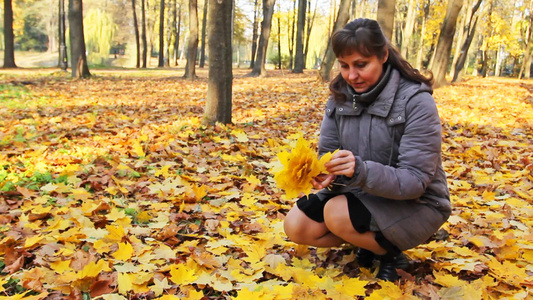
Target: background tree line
<point>491,37</point>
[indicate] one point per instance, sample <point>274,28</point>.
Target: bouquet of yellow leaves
<point>299,166</point>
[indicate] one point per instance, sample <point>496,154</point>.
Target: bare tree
<point>63,57</point>
<point>80,69</point>
<point>9,38</point>
<point>444,45</point>
<point>192,43</point>
<point>219,87</point>
<point>266,26</point>
<point>408,28</point>
<point>329,57</point>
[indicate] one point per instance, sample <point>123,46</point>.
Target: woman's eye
<point>361,65</point>
<point>344,66</point>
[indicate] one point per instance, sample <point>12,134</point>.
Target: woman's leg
<point>337,220</point>
<point>303,230</point>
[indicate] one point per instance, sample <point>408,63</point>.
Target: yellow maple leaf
<point>138,149</point>
<point>300,165</point>
<point>180,274</point>
<point>124,283</point>
<point>116,233</point>
<point>124,252</point>
<point>352,287</point>
<point>61,266</point>
<point>92,269</point>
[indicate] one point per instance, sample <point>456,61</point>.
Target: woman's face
<point>361,72</point>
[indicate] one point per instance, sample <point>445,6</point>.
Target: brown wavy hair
<point>365,37</point>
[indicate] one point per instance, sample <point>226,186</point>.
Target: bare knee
<point>294,229</point>
<point>337,217</point>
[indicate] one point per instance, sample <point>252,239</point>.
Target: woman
<point>386,190</point>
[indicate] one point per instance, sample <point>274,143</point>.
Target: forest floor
<point>112,188</point>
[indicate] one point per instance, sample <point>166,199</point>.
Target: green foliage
<point>99,29</point>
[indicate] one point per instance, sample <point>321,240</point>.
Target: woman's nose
<point>353,74</point>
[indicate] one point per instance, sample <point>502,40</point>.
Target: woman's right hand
<point>322,180</point>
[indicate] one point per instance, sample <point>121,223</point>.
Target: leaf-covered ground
<point>111,188</point>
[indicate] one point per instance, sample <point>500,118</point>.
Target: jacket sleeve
<point>328,140</point>
<point>418,159</point>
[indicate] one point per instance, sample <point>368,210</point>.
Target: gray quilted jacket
<point>397,143</point>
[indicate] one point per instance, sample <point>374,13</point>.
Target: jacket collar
<point>385,90</point>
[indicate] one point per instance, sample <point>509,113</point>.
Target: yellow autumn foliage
<point>300,165</point>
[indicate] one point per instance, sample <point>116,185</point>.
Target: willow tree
<point>80,69</point>
<point>99,33</point>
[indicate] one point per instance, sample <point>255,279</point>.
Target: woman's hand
<point>322,180</point>
<point>341,163</point>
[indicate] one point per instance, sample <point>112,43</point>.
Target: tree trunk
<point>192,43</point>
<point>420,55</point>
<point>80,68</point>
<point>266,25</point>
<point>408,29</point>
<point>310,23</point>
<point>143,34</point>
<point>527,54</point>
<point>299,63</point>
<point>444,44</point>
<point>254,33</point>
<point>329,56</point>
<point>385,16</point>
<point>279,37</point>
<point>204,23</point>
<point>291,36</point>
<point>470,32</point>
<point>63,57</point>
<point>174,16</point>
<point>161,62</point>
<point>218,101</point>
<point>137,38</point>
<point>177,38</point>
<point>9,38</point>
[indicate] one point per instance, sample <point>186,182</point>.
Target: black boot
<point>365,258</point>
<point>387,268</point>
<point>401,261</point>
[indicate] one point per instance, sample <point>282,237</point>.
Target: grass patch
<point>19,97</point>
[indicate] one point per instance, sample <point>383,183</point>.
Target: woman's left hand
<point>341,163</point>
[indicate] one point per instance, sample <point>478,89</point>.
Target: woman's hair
<point>365,37</point>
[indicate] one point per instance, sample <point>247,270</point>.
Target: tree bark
<point>329,57</point>
<point>408,28</point>
<point>254,33</point>
<point>9,38</point>
<point>310,23</point>
<point>137,38</point>
<point>470,32</point>
<point>63,57</point>
<point>444,44</point>
<point>80,69</point>
<point>266,25</point>
<point>143,34</point>
<point>161,62</point>
<point>299,63</point>
<point>218,101</point>
<point>177,37</point>
<point>291,37</point>
<point>385,16</point>
<point>279,38</point>
<point>192,43</point>
<point>204,24</point>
